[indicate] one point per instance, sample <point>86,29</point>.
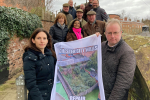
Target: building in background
<point>128,26</point>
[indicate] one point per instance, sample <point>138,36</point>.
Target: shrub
<point>15,21</point>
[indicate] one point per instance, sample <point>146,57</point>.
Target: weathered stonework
<point>15,52</point>
<point>141,47</point>
<point>46,25</point>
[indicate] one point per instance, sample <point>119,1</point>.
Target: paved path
<point>8,89</point>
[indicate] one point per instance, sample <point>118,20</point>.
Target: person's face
<point>66,9</point>
<point>90,1</point>
<point>40,40</point>
<point>95,4</point>
<point>82,7</point>
<point>71,3</point>
<point>113,33</point>
<point>76,24</point>
<point>79,15</point>
<point>61,20</point>
<point>91,18</point>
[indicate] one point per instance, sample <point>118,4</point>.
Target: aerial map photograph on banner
<point>78,72</point>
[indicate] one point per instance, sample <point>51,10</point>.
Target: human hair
<point>32,46</point>
<point>113,21</point>
<point>69,1</point>
<point>70,29</point>
<point>60,15</point>
<point>83,5</point>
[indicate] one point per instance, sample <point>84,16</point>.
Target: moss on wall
<point>141,84</point>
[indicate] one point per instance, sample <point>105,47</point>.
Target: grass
<point>92,95</point>
<point>11,83</point>
<point>61,91</point>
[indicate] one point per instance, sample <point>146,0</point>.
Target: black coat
<point>118,66</point>
<point>58,35</point>
<point>39,73</point>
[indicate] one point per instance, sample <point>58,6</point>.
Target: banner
<point>78,71</point>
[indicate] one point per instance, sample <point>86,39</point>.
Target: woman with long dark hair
<point>39,65</point>
<point>75,31</point>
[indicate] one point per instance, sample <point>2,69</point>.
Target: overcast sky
<point>133,8</point>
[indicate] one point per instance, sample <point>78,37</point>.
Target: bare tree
<point>123,13</point>
<point>49,4</point>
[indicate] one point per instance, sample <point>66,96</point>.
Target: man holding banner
<point>118,63</point>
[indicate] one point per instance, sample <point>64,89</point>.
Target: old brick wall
<point>15,51</point>
<point>47,25</point>
<point>26,5</point>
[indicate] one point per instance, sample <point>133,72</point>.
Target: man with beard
<point>100,13</point>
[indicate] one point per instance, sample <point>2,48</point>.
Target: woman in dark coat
<point>59,30</point>
<point>39,65</point>
<point>75,31</point>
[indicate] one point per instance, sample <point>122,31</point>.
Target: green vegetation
<point>93,62</point>
<point>79,80</point>
<point>92,95</point>
<point>14,21</point>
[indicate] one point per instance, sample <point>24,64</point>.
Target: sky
<point>133,8</point>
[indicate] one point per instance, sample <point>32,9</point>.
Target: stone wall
<point>16,49</point>
<point>141,85</point>
<point>15,52</point>
<point>141,47</point>
<point>26,5</point>
<point>47,25</point>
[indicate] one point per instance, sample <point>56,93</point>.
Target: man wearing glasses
<point>118,63</point>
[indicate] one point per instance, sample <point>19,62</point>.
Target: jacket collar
<point>58,26</point>
<point>89,4</point>
<point>65,12</point>
<point>39,54</point>
<point>112,49</point>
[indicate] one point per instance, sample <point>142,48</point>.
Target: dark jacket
<point>72,11</point>
<point>118,66</point>
<point>88,7</point>
<point>39,73</point>
<point>99,26</point>
<point>100,14</point>
<point>58,35</point>
<point>68,16</point>
<point>71,36</point>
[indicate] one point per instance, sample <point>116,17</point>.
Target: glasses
<point>114,33</point>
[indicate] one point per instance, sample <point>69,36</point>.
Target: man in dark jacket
<point>72,11</point>
<point>118,63</point>
<point>100,12</point>
<point>66,12</point>
<point>94,26</point>
<point>88,7</point>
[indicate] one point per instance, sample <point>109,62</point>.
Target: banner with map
<point>78,71</point>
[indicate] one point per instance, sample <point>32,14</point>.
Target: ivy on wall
<point>15,21</point>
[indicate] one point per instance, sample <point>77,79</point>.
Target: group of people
<point>118,59</point>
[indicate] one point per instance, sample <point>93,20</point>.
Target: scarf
<point>61,26</point>
<point>77,32</point>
